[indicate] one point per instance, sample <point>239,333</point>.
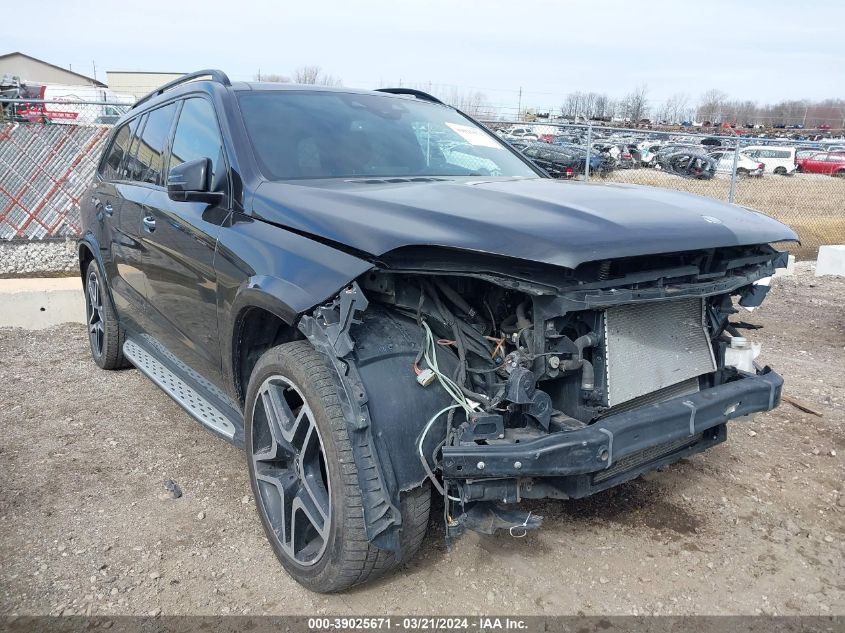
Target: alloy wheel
<point>94,310</point>
<point>290,471</point>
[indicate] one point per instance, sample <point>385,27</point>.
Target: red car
<point>831,163</point>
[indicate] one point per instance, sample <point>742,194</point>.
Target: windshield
<point>299,135</point>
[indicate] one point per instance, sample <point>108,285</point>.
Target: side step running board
<point>189,398</point>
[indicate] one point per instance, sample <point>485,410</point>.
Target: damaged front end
<point>502,380</point>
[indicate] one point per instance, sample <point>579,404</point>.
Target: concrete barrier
<point>831,261</point>
<point>39,303</point>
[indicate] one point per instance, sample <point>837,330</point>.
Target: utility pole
<point>519,107</point>
<point>94,64</point>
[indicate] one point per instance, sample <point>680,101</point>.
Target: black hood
<point>540,220</point>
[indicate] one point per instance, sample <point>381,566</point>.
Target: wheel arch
<point>260,320</point>
<point>88,250</point>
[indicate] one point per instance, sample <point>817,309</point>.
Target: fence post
<point>732,192</point>
<point>587,160</point>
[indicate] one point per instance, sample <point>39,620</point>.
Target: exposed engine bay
<point>505,383</point>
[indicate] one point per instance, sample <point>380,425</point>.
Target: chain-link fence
<point>49,150</point>
<point>800,183</point>
<point>48,153</point>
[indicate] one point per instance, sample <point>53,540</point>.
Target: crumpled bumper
<point>651,431</point>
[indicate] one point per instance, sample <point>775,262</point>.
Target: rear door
<point>141,177</point>
<point>109,199</point>
<point>181,238</point>
<point>105,198</point>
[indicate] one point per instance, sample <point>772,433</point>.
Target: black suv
<point>377,298</point>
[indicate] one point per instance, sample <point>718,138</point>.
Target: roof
<point>41,61</point>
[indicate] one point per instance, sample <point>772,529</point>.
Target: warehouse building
<point>36,71</point>
<point>138,83</point>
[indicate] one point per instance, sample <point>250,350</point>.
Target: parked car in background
<point>558,162</point>
<point>744,165</point>
<point>82,105</point>
<point>829,163</point>
<point>565,162</point>
<point>519,133</point>
<point>803,154</point>
<point>776,159</point>
<point>689,163</point>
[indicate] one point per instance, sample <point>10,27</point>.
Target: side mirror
<point>191,182</point>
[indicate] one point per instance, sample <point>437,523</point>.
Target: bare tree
<point>635,104</point>
<point>471,102</point>
<point>306,74</point>
<point>710,105</point>
<point>271,77</point>
<point>314,75</point>
<point>573,105</point>
<point>675,109</point>
<point>603,108</point>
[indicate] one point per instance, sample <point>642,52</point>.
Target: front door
<point>181,238</point>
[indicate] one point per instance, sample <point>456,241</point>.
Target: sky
<point>762,51</point>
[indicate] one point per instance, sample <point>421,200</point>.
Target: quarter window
<point>110,168</point>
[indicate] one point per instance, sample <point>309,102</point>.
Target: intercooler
<point>650,347</point>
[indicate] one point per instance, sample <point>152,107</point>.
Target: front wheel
<point>304,479</point>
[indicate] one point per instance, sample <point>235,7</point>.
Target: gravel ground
<point>86,526</point>
<point>37,259</point>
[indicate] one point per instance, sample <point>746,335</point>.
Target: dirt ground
<point>754,525</point>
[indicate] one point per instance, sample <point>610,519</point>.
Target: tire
<point>780,171</point>
<point>741,171</point>
<point>331,553</point>
<point>105,334</point>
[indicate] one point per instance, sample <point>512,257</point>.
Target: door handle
<point>149,223</point>
<point>108,209</point>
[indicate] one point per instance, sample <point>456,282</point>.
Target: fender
<point>88,241</point>
<point>372,352</point>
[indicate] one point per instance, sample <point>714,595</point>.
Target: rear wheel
<point>105,334</point>
<point>304,478</point>
<point>780,171</point>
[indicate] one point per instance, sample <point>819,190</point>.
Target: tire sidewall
<point>105,313</point>
<point>318,575</point>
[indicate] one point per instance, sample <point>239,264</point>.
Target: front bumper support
<point>599,446</point>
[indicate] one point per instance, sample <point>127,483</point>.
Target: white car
<point>744,165</point>
<point>777,159</point>
<point>520,133</point>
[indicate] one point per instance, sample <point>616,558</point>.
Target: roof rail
<point>216,75</point>
<point>419,94</point>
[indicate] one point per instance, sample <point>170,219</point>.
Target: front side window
<point>197,136</point>
<point>149,153</point>
<point>301,135</point>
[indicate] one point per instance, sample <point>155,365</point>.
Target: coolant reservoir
<point>741,354</point>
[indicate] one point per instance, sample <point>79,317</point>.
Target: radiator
<point>652,346</point>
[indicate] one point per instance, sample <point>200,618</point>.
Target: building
<point>32,70</point>
<point>138,83</point>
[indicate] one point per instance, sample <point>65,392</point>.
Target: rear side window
<point>197,136</point>
<point>149,154</point>
<point>110,169</point>
<point>131,168</point>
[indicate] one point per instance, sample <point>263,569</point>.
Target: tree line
<point>713,105</point>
